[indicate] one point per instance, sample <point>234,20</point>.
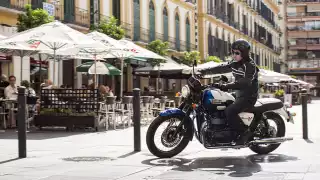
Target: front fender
<point>187,120</point>
<point>172,112</point>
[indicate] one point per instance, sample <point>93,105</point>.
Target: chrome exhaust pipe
<point>271,140</point>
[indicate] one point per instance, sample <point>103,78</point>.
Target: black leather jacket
<point>246,77</point>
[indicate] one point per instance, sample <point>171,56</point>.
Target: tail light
<point>288,105</point>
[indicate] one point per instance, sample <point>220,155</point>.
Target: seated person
<point>11,91</point>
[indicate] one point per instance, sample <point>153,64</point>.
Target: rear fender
<point>285,114</point>
<point>176,112</point>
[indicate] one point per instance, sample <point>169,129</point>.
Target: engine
<point>214,129</point>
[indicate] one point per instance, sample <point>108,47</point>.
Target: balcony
<point>305,44</point>
<point>144,34</point>
<point>223,17</point>
<point>304,64</point>
<point>79,17</point>
<point>128,29</point>
<point>303,1</point>
<point>244,29</point>
<point>293,16</point>
<point>16,6</point>
<point>303,31</point>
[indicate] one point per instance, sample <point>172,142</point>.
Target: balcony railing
<point>303,28</point>
<point>302,14</point>
<point>303,1</point>
<point>16,5</point>
<point>79,17</point>
<point>303,57</point>
<point>244,29</point>
<point>179,45</point>
<point>225,18</point>
<point>296,64</point>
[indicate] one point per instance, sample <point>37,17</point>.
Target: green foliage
<point>159,47</point>
<point>264,67</point>
<point>293,76</point>
<point>189,57</point>
<point>110,27</point>
<point>214,59</point>
<point>279,93</point>
<point>32,18</point>
<point>64,112</point>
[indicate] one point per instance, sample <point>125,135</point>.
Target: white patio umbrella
<point>140,52</point>
<point>122,49</point>
<point>271,76</point>
<point>17,50</point>
<point>50,37</point>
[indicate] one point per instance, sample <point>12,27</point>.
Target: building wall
<point>222,30</point>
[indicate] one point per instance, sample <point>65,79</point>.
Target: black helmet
<point>241,45</point>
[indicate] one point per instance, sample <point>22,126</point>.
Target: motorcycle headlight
<point>185,91</point>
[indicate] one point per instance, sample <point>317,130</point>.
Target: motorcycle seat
<point>266,104</point>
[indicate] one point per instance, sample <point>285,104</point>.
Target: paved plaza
<point>60,155</point>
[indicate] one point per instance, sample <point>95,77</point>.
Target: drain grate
<point>88,159</point>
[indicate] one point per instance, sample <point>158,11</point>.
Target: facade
<point>209,26</point>
<point>143,20</point>
<point>222,22</point>
<point>303,25</point>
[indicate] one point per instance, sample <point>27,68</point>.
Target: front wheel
<point>276,128</point>
<point>173,139</point>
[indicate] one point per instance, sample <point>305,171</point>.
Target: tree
<point>32,18</point>
<point>293,76</point>
<point>264,67</point>
<point>110,27</point>
<point>159,47</point>
<point>189,57</point>
<point>214,59</point>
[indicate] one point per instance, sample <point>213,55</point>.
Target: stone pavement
<point>108,155</point>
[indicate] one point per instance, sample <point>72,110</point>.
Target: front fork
<point>189,109</point>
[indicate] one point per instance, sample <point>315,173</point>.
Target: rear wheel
<point>276,128</point>
<point>174,142</point>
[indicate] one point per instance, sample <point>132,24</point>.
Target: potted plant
<point>279,94</point>
<point>49,117</point>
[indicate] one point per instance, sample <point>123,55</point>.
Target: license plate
<point>290,117</point>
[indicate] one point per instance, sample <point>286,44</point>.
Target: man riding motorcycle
<point>246,84</point>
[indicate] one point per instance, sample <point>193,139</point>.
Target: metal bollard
<point>304,100</point>
<point>136,120</point>
<point>22,133</point>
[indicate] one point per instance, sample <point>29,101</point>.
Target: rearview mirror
<point>224,78</point>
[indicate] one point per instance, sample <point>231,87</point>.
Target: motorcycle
<point>201,114</point>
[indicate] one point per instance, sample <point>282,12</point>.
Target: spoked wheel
<point>166,132</point>
<point>276,129</point>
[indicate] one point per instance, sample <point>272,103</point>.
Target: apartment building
<point>222,22</point>
<point>209,26</point>
<point>303,38</point>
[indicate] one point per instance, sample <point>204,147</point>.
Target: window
<point>188,34</point>
<point>136,21</point>
<point>152,28</point>
<point>177,33</point>
<point>165,24</point>
<point>69,9</point>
